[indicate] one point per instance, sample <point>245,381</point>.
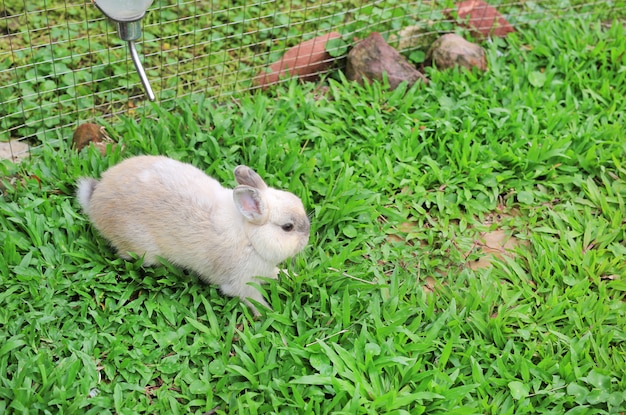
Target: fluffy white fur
<point>158,207</point>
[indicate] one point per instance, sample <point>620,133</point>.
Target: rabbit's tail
<point>86,186</point>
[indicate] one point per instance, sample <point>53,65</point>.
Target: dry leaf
<point>429,285</point>
<point>495,244</point>
<point>405,228</point>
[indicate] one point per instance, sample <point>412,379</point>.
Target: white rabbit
<point>158,207</point>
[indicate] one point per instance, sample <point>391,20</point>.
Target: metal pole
<point>142,74</point>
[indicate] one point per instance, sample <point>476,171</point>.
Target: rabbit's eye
<point>287,227</point>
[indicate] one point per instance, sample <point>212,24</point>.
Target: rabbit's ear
<point>250,203</point>
<point>248,177</point>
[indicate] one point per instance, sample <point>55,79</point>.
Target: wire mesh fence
<point>62,63</point>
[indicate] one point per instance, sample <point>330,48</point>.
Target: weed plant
<point>384,312</point>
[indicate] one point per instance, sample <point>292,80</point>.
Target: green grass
<point>62,62</point>
<point>365,323</point>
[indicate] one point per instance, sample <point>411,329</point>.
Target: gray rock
<point>370,58</point>
<point>452,50</point>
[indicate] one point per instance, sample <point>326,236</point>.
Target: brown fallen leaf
<point>394,238</point>
<point>20,179</point>
<point>494,244</point>
<point>609,277</point>
<point>430,285</point>
<point>404,228</point>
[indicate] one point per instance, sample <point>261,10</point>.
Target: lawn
<point>397,306</point>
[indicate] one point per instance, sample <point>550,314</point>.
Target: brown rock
<point>452,50</point>
<point>306,61</point>
<point>372,57</point>
<point>88,133</point>
<point>483,19</point>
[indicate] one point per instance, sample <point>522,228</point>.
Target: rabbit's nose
<point>303,225</point>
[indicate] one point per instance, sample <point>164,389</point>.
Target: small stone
<point>94,134</point>
<point>372,57</point>
<point>452,50</point>
<point>305,61</point>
